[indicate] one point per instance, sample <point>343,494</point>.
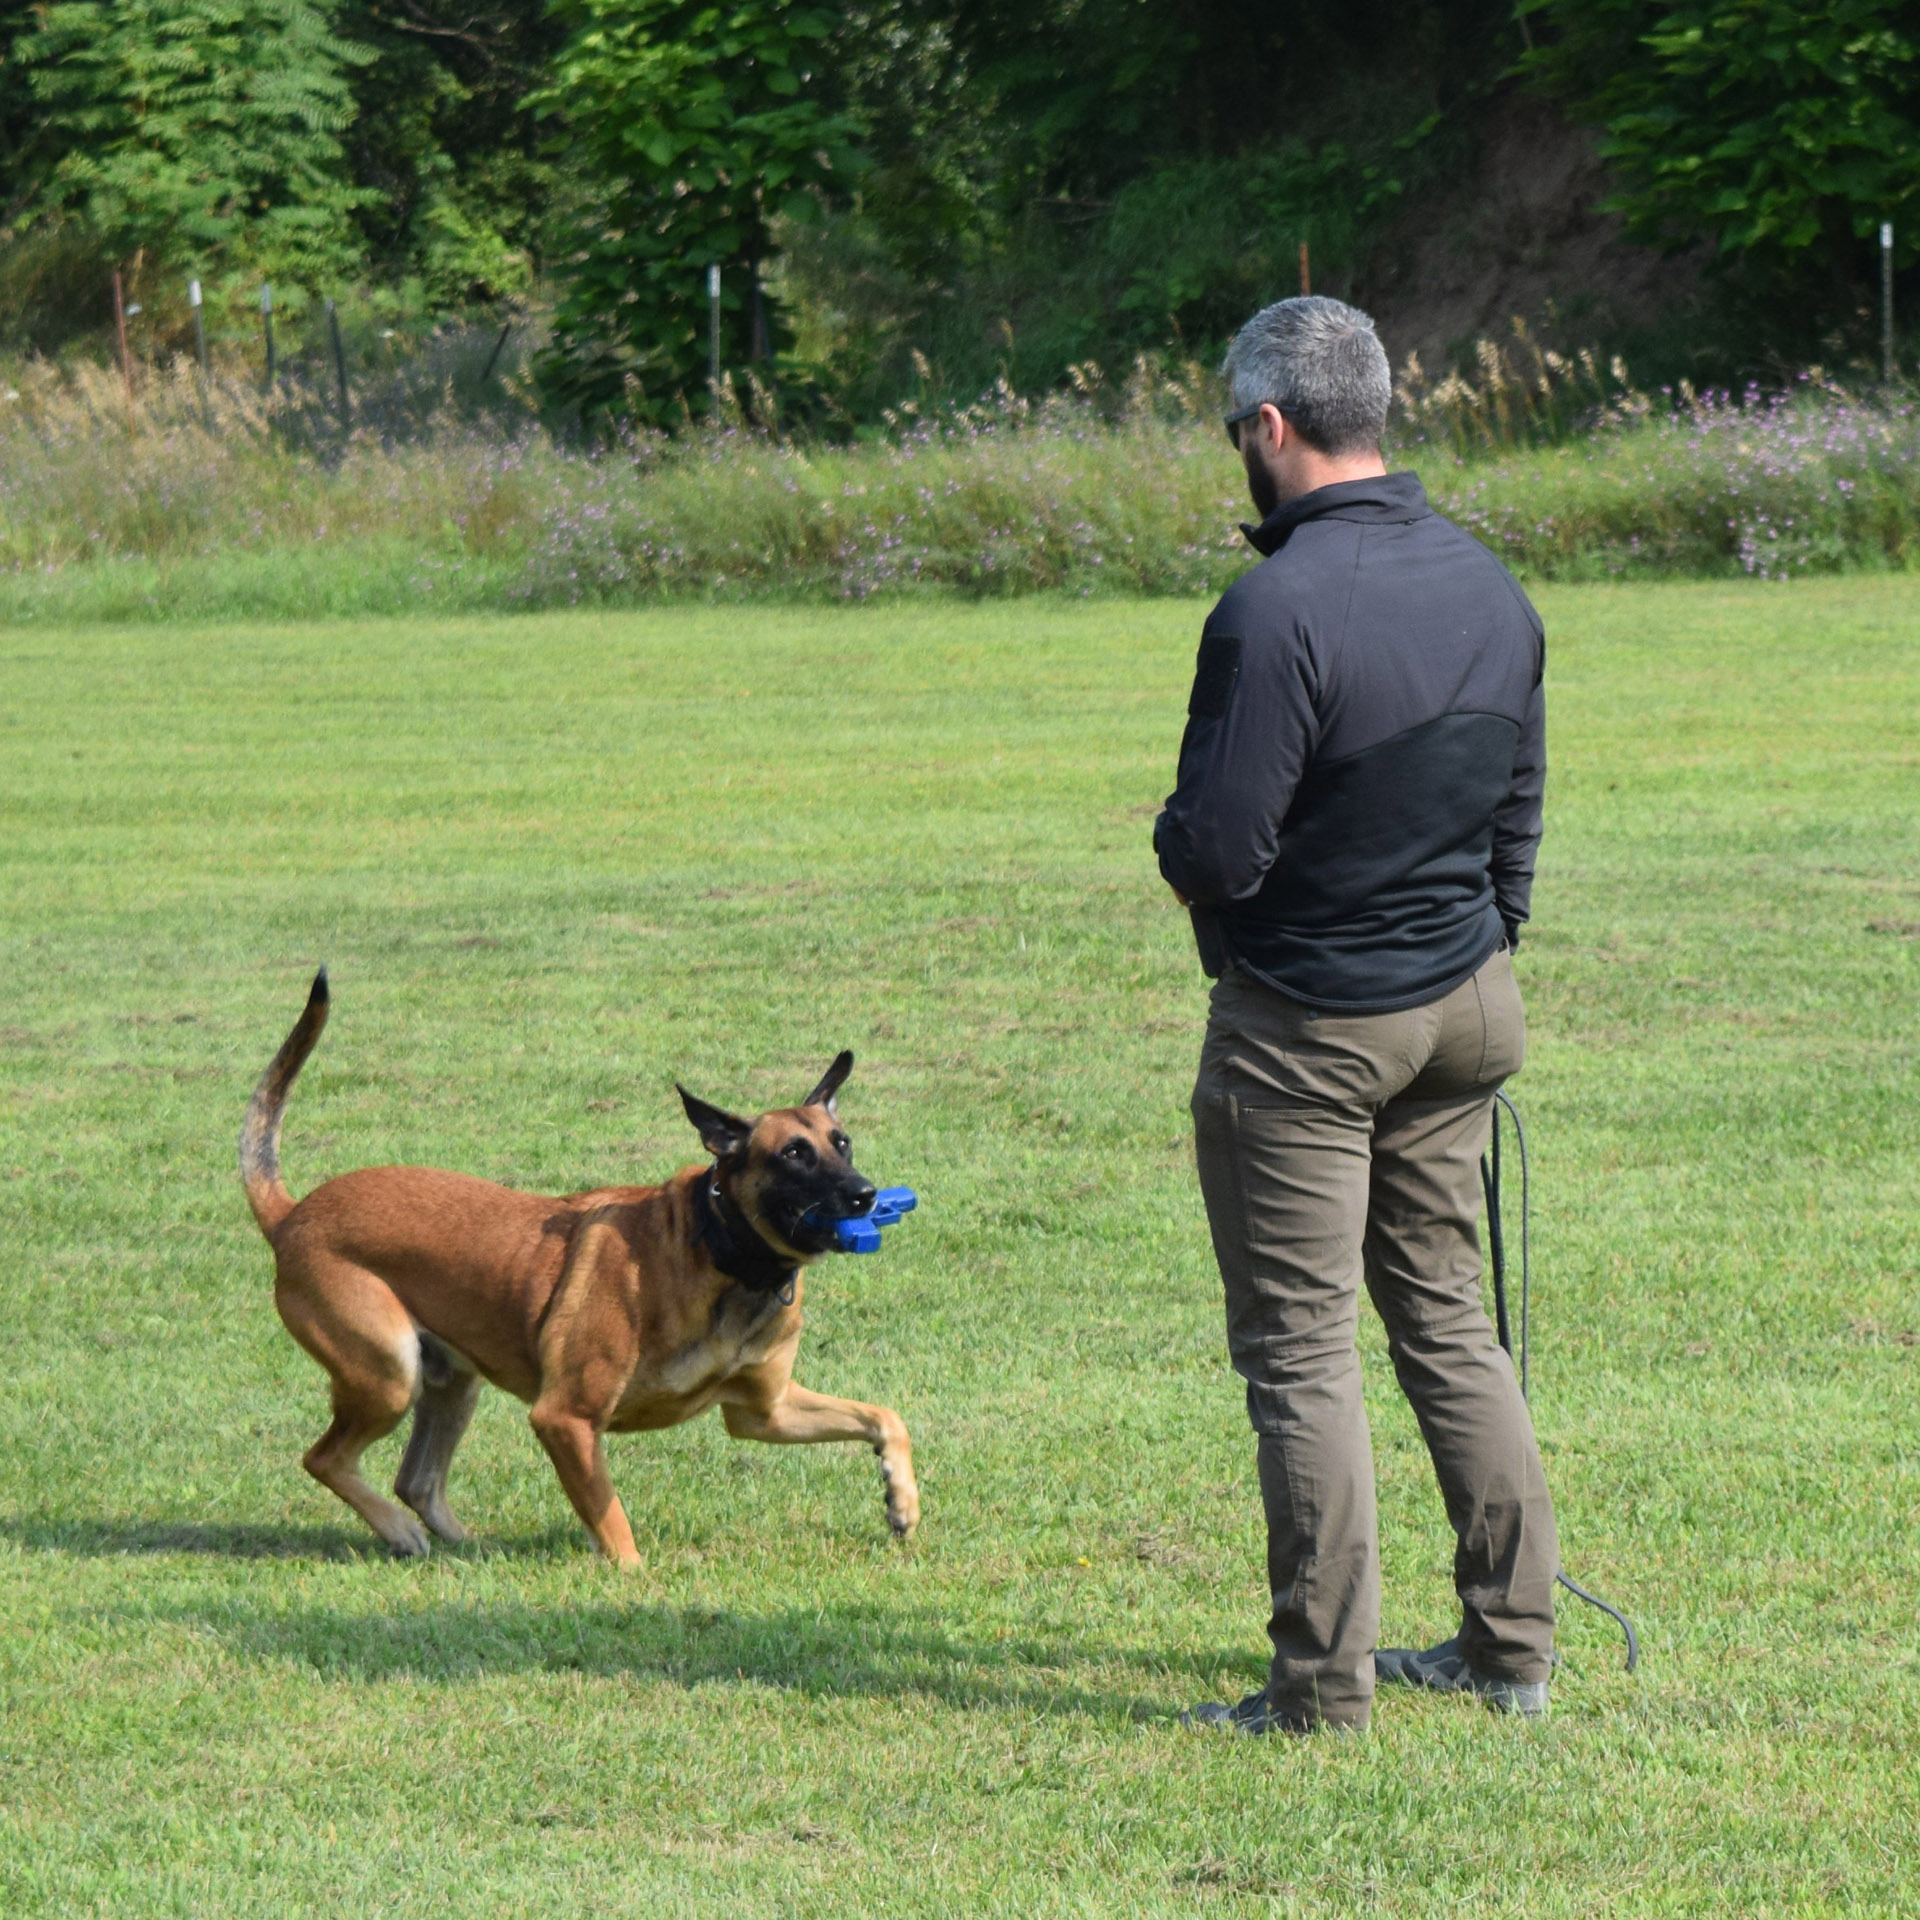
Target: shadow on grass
<point>103,1539</point>
<point>834,1649</point>
<point>824,1649</point>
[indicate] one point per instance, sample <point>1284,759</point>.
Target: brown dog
<point>609,1312</point>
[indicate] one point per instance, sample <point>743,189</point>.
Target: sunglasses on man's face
<point>1232,423</point>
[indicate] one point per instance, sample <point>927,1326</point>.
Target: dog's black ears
<point>831,1082</point>
<point>721,1132</point>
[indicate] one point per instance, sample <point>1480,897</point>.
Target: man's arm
<point>1517,820</point>
<point>1251,728</point>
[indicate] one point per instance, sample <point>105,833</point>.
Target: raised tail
<point>267,1193</point>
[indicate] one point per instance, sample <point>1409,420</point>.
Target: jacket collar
<point>1387,499</point>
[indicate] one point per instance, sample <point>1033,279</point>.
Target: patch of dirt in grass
<point>1873,1334</point>
<point>1159,1548</point>
<point>1237,1876</point>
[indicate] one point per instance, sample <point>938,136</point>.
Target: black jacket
<point>1358,804</point>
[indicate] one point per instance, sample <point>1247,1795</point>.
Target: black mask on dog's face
<point>791,1172</point>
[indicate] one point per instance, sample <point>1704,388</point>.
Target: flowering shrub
<point>1140,496</point>
<point>1813,481</point>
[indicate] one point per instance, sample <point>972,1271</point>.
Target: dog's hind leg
<point>801,1418</point>
<point>351,1321</point>
<point>449,1392</point>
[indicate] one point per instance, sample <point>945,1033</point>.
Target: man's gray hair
<point>1321,363</point>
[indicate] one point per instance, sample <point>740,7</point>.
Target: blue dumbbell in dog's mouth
<point>863,1235</point>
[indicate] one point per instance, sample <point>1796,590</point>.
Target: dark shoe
<point>1444,1669</point>
<point>1252,1715</point>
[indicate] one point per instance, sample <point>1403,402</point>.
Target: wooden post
<point>120,329</point>
<point>713,327</point>
<point>1306,279</point>
<point>266,325</point>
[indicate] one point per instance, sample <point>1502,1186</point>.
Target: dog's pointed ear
<point>830,1083</point>
<point>721,1132</point>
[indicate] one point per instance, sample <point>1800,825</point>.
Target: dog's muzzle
<point>819,1223</point>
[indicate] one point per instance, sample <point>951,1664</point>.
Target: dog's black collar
<point>736,1249</point>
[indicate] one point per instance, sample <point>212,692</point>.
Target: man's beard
<point>1266,494</point>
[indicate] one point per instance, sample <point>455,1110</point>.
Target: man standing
<point>1354,830</point>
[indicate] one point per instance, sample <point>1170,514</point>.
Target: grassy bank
<point>554,864</point>
<point>181,519</point>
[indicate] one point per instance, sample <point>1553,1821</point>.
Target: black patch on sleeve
<point>1215,675</point>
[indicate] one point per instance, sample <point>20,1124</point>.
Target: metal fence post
<point>200,348</point>
<point>340,367</point>
<point>713,327</point>
<point>1886,301</point>
<point>266,323</point>
<point>486,372</point>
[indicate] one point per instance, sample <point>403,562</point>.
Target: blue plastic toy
<point>863,1235</point>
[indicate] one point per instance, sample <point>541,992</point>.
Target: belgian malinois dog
<point>612,1311</point>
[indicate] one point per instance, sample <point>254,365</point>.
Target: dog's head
<point>791,1172</point>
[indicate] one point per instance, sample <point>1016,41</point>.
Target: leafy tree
<point>1050,181</point>
<point>1086,98</point>
<point>1782,131</point>
<point>461,197</point>
<point>699,123</point>
<point>204,131</point>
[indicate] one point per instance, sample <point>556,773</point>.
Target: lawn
<point>554,864</point>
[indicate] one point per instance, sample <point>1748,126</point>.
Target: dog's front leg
<point>802,1418</point>
<point>579,1456</point>
<point>587,1355</point>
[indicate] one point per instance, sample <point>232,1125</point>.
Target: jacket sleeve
<point>1517,820</point>
<point>1251,730</point>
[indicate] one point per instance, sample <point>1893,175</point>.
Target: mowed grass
<point>555,863</point>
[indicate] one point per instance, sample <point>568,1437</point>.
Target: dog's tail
<point>267,1193</point>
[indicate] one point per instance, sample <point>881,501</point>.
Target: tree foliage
<point>905,195</point>
<point>204,130</point>
<point>464,199</point>
<point>699,123</point>
<point>1782,131</point>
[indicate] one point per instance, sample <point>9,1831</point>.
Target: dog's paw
<point>443,1526</point>
<point>903,1510</point>
<point>406,1538</point>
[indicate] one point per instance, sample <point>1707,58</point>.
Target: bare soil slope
<point>1520,234</point>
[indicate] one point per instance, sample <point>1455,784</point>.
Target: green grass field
<point>556,863</point>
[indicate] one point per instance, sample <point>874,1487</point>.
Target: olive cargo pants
<point>1333,1147</point>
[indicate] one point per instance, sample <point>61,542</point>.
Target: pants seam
<point>1486,1032</point>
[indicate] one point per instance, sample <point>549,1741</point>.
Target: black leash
<point>1497,1255</point>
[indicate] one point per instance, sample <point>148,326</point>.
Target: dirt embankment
<point>1520,232</point>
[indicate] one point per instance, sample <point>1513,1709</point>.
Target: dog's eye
<point>841,1144</point>
<point>798,1150</point>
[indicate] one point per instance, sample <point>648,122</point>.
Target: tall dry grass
<point>213,497</point>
